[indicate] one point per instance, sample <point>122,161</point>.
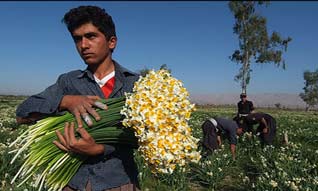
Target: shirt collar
<point>103,81</point>
<point>87,73</point>
<point>120,72</point>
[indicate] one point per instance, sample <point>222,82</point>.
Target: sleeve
<point>251,106</point>
<point>258,117</point>
<point>46,102</point>
<point>108,149</point>
<point>230,131</point>
<point>117,149</point>
<point>238,107</point>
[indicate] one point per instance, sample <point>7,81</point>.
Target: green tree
<point>164,66</point>
<point>310,94</point>
<point>144,72</point>
<point>255,45</point>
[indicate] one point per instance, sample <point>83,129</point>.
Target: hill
<point>286,100</point>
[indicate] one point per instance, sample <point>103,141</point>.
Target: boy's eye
<point>90,35</point>
<point>76,38</point>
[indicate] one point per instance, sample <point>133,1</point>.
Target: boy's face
<point>92,44</point>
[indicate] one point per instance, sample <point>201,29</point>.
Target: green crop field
<point>277,167</point>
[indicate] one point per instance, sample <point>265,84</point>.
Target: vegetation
<point>291,166</point>
<point>255,45</point>
<point>144,72</point>
<point>310,94</point>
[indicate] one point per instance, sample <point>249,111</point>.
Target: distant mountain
<point>260,100</point>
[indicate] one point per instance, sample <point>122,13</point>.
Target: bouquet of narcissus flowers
<point>154,117</point>
<point>158,110</point>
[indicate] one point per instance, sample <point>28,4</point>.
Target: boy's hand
<point>81,107</point>
<point>85,145</point>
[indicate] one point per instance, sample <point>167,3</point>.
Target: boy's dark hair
<point>243,95</point>
<point>90,14</point>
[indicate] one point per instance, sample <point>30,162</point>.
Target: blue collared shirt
<point>118,167</point>
<point>228,127</point>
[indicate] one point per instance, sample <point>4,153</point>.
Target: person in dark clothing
<point>244,107</point>
<point>109,167</point>
<point>213,128</point>
<point>266,126</point>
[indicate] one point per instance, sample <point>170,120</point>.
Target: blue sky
<point>194,39</point>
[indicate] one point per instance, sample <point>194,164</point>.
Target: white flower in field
<point>266,174</point>
<point>208,162</point>
<point>297,180</point>
<point>25,189</point>
<point>316,151</point>
<point>246,179</point>
<point>293,186</point>
<point>209,173</point>
<point>314,166</point>
<point>253,185</point>
<point>2,147</point>
<point>220,169</point>
<point>273,183</point>
<point>3,183</point>
<point>260,178</point>
<point>279,168</point>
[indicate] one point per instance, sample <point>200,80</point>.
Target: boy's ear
<point>112,42</point>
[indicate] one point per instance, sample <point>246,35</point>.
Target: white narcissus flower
<point>273,183</point>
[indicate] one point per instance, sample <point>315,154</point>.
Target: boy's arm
<point>265,129</point>
<point>219,140</point>
<point>33,117</point>
<point>233,148</point>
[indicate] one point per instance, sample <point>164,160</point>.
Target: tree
<point>164,66</point>
<point>144,72</point>
<point>310,94</point>
<point>278,105</point>
<point>254,43</point>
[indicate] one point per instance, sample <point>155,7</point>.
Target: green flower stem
<point>56,168</point>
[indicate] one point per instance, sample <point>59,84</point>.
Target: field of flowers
<point>277,167</point>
